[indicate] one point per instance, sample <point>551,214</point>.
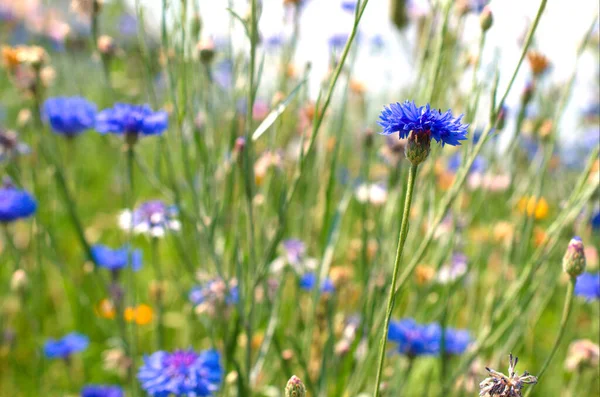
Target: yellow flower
<point>534,207</point>
<point>142,314</point>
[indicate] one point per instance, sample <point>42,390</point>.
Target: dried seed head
<point>498,384</point>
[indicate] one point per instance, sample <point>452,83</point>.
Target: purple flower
<point>102,391</point>
<point>588,286</point>
<point>152,217</point>
<point>213,292</point>
<point>181,373</point>
<point>15,204</point>
<point>131,120</point>
<point>66,346</point>
<point>10,145</point>
<point>116,259</point>
<point>294,250</point>
<point>406,117</point>
<point>69,116</point>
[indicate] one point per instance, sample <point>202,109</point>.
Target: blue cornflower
<point>15,203</point>
<point>456,341</point>
<point>308,281</point>
<point>66,346</point>
<point>116,259</point>
<point>214,292</point>
<point>181,373</point>
<point>348,5</point>
<point>153,218</point>
<point>595,220</point>
<point>478,167</point>
<point>415,339</point>
<point>132,120</point>
<point>69,116</point>
<point>406,117</point>
<point>588,286</point>
<point>102,391</point>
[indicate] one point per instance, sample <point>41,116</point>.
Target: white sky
<point>561,28</point>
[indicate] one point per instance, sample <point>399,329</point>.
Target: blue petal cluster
<point>102,391</point>
<point>66,346</point>
<point>131,119</point>
<point>15,204</point>
<point>308,281</point>
<point>406,117</point>
<point>181,373</point>
<point>214,291</point>
<point>588,286</point>
<point>414,339</point>
<point>595,221</point>
<point>116,259</point>
<point>69,116</point>
<point>478,167</point>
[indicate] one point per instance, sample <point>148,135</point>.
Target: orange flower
<point>10,57</point>
<point>538,62</point>
<point>105,309</point>
<point>534,207</point>
<point>142,314</point>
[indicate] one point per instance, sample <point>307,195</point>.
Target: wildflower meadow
<point>291,198</point>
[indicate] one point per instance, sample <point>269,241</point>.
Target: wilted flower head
<point>15,203</point>
<point>498,384</point>
<point>538,62</point>
<point>582,353</point>
<point>116,259</point>
<point>10,145</point>
<point>131,121</point>
<point>153,218</point>
<point>181,373</point>
<point>66,346</point>
<point>102,391</point>
<point>588,286</point>
<point>69,116</point>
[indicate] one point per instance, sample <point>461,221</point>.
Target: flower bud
<point>486,19</point>
<point>106,45</point>
<point>206,50</point>
<point>574,259</point>
<point>295,388</point>
<point>418,147</point>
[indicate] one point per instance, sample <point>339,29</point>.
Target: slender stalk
<point>391,298</point>
<point>561,331</point>
<point>159,295</point>
<point>130,276</point>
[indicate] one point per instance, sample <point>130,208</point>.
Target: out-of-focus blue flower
<point>348,5</point>
<point>274,41</point>
<point>377,41</point>
<point>478,5</point>
<point>69,116</point>
<point>66,346</point>
<point>181,373</point>
<point>222,74</point>
<point>406,117</point>
<point>456,341</point>
<point>131,119</point>
<point>595,220</point>
<point>478,166</point>
<point>11,146</point>
<point>214,292</point>
<point>102,391</point>
<point>308,281</point>
<point>588,286</point>
<point>128,25</point>
<point>152,217</point>
<point>415,339</point>
<point>15,203</point>
<point>116,259</point>
<point>338,40</point>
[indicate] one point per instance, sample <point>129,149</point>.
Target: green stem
<point>561,331</point>
<point>391,298</point>
<point>159,296</point>
<point>130,276</point>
